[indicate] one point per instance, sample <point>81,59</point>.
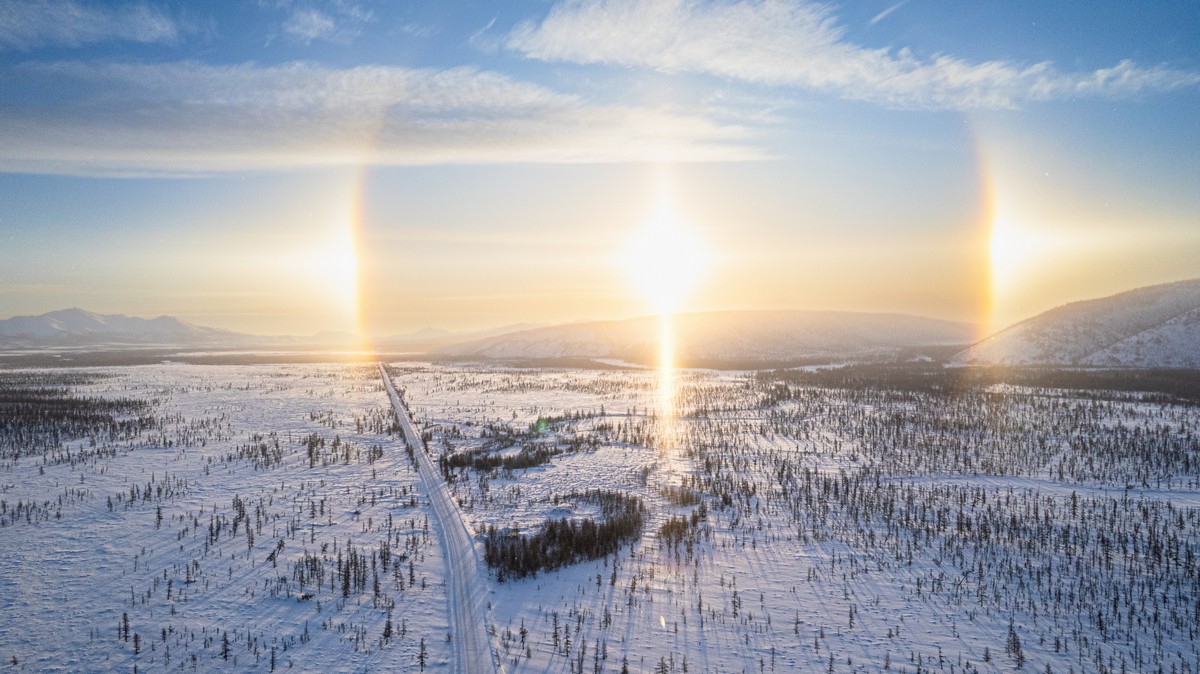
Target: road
<point>466,591</point>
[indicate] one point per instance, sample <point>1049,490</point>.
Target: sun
<point>1025,251</point>
<point>665,260</point>
<point>341,259</point>
<point>330,270</point>
<point>1008,247</point>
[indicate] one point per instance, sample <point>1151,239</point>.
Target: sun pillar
<point>664,261</point>
<point>666,384</point>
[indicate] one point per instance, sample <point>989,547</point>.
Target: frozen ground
<point>466,589</point>
<point>845,530</point>
<point>223,525</point>
<point>787,527</point>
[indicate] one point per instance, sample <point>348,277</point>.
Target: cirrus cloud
<point>800,44</point>
<point>117,118</point>
<point>27,24</point>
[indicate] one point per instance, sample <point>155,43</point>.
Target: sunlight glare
<point>342,267</point>
<point>1010,248</point>
<point>665,260</point>
<point>666,366</point>
<point>1023,251</point>
<point>1007,250</point>
<point>667,389</point>
<point>331,269</point>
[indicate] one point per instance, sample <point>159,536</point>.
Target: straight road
<point>465,587</point>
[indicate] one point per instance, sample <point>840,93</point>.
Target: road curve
<point>465,587</point>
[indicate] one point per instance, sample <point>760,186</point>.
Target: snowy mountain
<point>727,336</point>
<point>78,327</point>
<point>1156,326</point>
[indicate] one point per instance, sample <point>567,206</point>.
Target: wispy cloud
<point>307,25</point>
<point>337,21</point>
<point>801,44</point>
<point>886,13</point>
<point>485,40</point>
<point>418,30</point>
<point>28,24</point>
<point>187,117</point>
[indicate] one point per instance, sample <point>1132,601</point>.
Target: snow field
<point>860,530</point>
<point>187,582</point>
<point>789,526</point>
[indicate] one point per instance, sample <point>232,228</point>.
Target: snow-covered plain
<point>465,587</point>
<point>845,530</point>
<point>787,527</point>
<point>74,569</point>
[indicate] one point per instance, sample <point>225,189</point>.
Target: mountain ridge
<point>760,335</point>
<point>1151,326</point>
<point>78,325</point>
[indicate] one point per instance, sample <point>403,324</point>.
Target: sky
<point>288,167</point>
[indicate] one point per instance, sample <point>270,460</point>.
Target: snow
<point>1158,326</point>
<point>67,580</point>
<point>800,573</point>
<point>1174,343</point>
<point>727,336</point>
<point>843,529</point>
<point>80,323</point>
<point>472,649</point>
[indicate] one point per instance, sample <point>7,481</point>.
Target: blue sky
<point>295,166</point>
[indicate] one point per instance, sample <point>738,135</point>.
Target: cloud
<point>886,13</point>
<point>189,117</point>
<point>484,40</point>
<point>418,30</point>
<point>28,24</point>
<point>800,44</point>
<point>336,21</point>
<point>307,25</point>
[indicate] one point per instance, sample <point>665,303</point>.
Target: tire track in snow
<point>465,590</point>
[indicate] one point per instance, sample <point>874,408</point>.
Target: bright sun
<point>332,268</point>
<point>665,260</point>
<point>343,270</point>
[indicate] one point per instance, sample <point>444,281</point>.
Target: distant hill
<point>429,339</point>
<point>78,327</point>
<point>743,336</point>
<point>1156,326</point>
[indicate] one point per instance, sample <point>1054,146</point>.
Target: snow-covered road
<point>465,587</point>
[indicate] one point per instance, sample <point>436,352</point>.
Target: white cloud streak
<point>190,117</point>
<point>339,22</point>
<point>800,44</point>
<point>307,25</point>
<point>886,13</point>
<point>28,24</point>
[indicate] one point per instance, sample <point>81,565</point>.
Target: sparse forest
<point>257,519</point>
<point>861,519</point>
<point>868,518</point>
